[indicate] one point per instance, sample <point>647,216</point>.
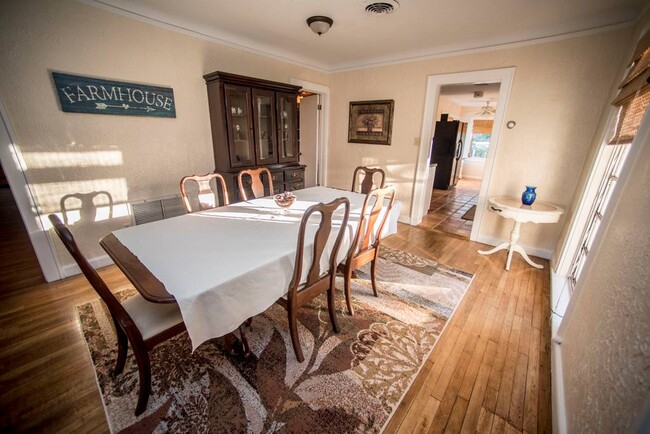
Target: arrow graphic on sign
<point>104,106</point>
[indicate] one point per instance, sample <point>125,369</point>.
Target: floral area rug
<point>348,382</point>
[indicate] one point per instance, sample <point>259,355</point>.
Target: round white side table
<point>511,208</point>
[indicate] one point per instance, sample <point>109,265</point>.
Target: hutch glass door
<point>239,136</point>
<point>264,112</point>
<point>287,119</point>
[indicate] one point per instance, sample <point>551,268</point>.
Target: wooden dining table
<point>225,265</point>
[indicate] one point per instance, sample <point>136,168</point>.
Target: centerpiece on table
<point>285,200</point>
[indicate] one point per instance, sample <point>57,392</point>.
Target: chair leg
<point>373,272</point>
<point>122,349</point>
<point>293,330</point>
<point>347,276</point>
<point>331,307</point>
<point>246,351</point>
<point>144,369</point>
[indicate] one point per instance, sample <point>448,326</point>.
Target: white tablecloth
<point>228,264</point>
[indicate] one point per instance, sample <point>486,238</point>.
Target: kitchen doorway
<point>460,144</point>
<point>421,199</point>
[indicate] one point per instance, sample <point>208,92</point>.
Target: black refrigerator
<point>446,151</point>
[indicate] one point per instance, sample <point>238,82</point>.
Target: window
<point>481,133</point>
<point>479,146</point>
<point>604,193</point>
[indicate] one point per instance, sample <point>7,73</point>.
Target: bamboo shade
<point>634,95</point>
<point>482,127</point>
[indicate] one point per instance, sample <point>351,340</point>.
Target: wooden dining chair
<point>257,184</point>
<point>318,281</point>
<point>367,175</point>
<point>208,196</point>
<point>365,246</point>
<point>137,321</point>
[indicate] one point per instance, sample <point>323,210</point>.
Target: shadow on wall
<point>81,187</point>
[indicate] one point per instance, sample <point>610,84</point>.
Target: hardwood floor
<point>490,371</point>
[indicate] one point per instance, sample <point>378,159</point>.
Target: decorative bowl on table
<point>285,200</point>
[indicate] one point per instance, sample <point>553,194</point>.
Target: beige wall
<point>445,105</point>
<point>133,158</point>
<point>606,344</point>
<point>558,93</point>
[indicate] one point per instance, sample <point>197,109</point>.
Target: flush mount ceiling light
<point>319,24</point>
<point>380,7</point>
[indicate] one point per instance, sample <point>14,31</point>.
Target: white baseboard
<point>471,177</point>
<point>404,219</point>
<point>96,262</point>
<point>534,251</point>
<point>557,389</point>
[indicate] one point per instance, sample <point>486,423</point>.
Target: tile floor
<point>448,206</point>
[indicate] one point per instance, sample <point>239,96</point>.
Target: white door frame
<point>504,76</point>
<point>322,126</point>
<point>14,169</point>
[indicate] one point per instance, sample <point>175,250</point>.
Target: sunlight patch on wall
<point>101,213</point>
<point>49,194</point>
<point>48,160</point>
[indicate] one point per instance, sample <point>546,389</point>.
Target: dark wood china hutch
<point>254,123</point>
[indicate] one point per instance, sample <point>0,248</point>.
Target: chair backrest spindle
<point>257,184</point>
<point>367,183</point>
<point>205,191</point>
<point>321,237</point>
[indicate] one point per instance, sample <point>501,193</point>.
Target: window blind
<point>633,97</point>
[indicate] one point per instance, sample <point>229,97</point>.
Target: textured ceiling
<point>418,28</point>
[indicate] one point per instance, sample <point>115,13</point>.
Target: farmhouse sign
<point>81,94</point>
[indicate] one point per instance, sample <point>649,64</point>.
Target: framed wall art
<point>371,122</point>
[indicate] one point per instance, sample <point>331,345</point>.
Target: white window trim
<point>561,263</point>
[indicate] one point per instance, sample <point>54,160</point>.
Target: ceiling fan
<point>487,110</point>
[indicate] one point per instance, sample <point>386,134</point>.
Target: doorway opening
<point>314,109</point>
<point>423,191</point>
<point>460,144</point>
<point>308,107</point>
<point>20,267</point>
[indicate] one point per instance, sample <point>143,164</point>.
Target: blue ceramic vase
<point>529,195</point>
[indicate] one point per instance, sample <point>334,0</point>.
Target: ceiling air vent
<point>380,7</point>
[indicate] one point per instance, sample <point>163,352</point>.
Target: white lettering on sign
<point>116,93</point>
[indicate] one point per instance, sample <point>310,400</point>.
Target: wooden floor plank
<point>484,424</point>
<point>532,385</point>
<point>474,406</point>
<point>516,414</point>
<point>457,415</point>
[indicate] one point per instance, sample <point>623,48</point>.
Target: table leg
<point>512,247</point>
<point>517,248</point>
<point>501,246</point>
<point>237,346</point>
<point>514,237</point>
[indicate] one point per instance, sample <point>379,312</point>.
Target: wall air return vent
<point>384,7</point>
